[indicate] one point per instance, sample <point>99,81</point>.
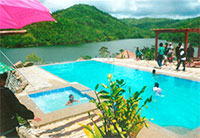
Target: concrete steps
<point>68,128</point>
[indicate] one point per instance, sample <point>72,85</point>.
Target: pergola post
<point>199,48</point>
<point>186,41</point>
<point>156,47</point>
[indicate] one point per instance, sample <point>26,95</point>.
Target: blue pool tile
<point>62,89</point>
<point>48,103</point>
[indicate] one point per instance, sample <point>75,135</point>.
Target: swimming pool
<point>179,107</point>
<point>53,100</point>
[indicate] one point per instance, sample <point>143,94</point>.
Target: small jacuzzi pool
<point>53,100</point>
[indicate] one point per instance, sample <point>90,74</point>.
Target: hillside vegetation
<point>84,23</point>
<point>146,24</point>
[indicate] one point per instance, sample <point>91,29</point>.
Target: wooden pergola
<point>172,30</point>
<point>12,32</point>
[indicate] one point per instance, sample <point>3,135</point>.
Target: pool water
<point>53,100</point>
<point>180,105</point>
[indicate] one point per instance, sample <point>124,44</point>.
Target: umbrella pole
<point>16,68</point>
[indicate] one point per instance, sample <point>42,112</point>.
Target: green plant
<point>148,53</point>
<point>120,117</point>
<point>121,50</point>
<point>86,57</point>
<point>23,121</point>
<point>33,57</point>
<point>104,52</point>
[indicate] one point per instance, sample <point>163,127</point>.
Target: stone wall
<point>16,82</point>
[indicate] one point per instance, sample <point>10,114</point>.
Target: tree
<point>33,57</point>
<point>104,52</point>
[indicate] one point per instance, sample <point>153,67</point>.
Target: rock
<point>27,64</point>
<point>18,78</point>
<point>24,132</point>
<point>80,59</point>
<point>16,74</point>
<point>18,90</point>
<point>21,87</point>
<point>13,71</point>
<point>19,64</point>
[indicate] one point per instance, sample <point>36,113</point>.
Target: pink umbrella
<point>19,13</point>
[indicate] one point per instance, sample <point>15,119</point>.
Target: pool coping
<point>149,69</point>
<point>59,114</point>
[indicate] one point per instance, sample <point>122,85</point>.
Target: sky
<point>176,9</point>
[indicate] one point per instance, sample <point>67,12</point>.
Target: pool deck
<point>170,69</point>
<point>60,125</point>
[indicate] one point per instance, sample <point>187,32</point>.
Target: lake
<point>52,54</point>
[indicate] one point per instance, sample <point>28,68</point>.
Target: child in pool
<point>71,100</point>
<point>156,89</point>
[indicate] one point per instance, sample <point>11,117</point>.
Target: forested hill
<point>77,24</point>
<point>146,24</point>
<point>84,23</point>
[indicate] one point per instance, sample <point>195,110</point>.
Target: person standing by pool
<point>9,107</point>
<point>190,54</point>
<point>161,52</point>
<point>166,53</point>
<point>138,54</point>
<point>170,52</point>
<point>178,52</point>
<point>182,58</point>
<point>71,100</point>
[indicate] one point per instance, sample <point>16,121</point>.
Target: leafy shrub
<point>148,53</point>
<point>86,57</point>
<point>23,121</point>
<point>120,117</point>
<point>104,52</point>
<point>121,50</point>
<point>33,57</point>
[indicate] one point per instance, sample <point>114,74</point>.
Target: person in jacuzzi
<point>71,100</point>
<point>156,89</point>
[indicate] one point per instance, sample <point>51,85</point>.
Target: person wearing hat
<point>9,107</point>
<point>182,58</point>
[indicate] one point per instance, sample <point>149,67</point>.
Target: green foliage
<point>148,53</point>
<point>104,52</point>
<point>120,117</point>
<point>86,57</point>
<point>121,50</point>
<point>144,26</point>
<point>23,121</point>
<point>33,57</point>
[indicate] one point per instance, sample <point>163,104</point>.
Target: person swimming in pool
<point>154,72</point>
<point>156,89</point>
<point>71,100</point>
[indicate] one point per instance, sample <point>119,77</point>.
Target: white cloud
<point>135,8</point>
